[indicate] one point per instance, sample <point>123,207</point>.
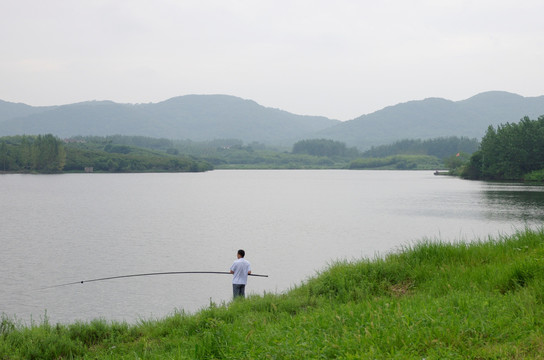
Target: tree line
<point>142,154</point>
<point>41,153</point>
<point>397,162</point>
<point>324,147</point>
<point>48,154</point>
<point>442,147</point>
<point>308,153</point>
<point>512,151</point>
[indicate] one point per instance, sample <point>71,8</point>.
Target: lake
<point>57,229</point>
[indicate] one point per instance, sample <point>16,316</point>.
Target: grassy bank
<point>483,300</point>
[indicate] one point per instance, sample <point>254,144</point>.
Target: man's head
<point>241,253</point>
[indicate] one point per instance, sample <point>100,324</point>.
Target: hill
<point>209,117</point>
<point>194,117</point>
<point>10,110</point>
<point>478,300</point>
<point>435,117</point>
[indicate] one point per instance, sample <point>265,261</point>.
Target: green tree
<point>456,162</point>
<point>4,156</point>
<point>323,147</point>
<point>48,154</point>
<point>509,152</point>
<point>442,147</point>
<point>25,158</point>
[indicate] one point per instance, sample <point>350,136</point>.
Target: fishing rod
<point>146,274</point>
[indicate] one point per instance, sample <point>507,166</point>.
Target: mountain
<point>195,117</point>
<point>208,117</point>
<point>435,117</point>
<point>10,110</point>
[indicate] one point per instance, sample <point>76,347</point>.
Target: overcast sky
<point>339,59</point>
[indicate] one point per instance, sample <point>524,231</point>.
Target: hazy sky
<point>339,59</point>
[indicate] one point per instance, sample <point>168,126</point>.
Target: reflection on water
<point>513,201</point>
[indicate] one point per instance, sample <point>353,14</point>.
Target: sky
<point>340,59</point>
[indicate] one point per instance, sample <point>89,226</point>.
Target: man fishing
<point>241,268</point>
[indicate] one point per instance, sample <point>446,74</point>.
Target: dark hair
<point>242,253</point>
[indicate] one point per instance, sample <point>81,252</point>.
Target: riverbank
<point>479,300</point>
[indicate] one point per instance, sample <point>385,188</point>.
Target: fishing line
<point>145,274</point>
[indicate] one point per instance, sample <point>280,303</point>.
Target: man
<point>241,268</point>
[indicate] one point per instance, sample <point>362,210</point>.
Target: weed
<point>483,299</point>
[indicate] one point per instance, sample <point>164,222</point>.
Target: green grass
<point>432,300</point>
<point>535,176</point>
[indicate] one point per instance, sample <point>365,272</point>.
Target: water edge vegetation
<point>513,151</point>
<point>143,154</point>
<point>49,154</point>
<point>481,299</point>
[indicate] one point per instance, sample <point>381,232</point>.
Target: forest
<point>512,151</point>
<point>44,154</point>
<point>329,154</point>
<point>144,154</point>
<point>417,154</point>
<point>49,154</point>
<point>441,147</point>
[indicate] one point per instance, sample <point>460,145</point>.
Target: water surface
<point>292,223</point>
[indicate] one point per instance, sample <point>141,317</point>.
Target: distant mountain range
<point>208,117</point>
<point>435,117</point>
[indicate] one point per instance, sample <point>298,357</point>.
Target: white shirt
<point>241,268</point>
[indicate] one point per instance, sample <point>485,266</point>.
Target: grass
<point>432,300</point>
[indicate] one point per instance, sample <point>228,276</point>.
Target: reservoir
<point>56,229</point>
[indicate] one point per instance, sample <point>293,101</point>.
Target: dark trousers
<point>239,290</point>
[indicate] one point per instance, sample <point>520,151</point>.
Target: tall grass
<point>432,300</point>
